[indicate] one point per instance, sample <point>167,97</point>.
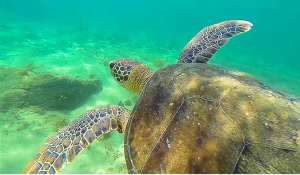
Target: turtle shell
<point>199,118</point>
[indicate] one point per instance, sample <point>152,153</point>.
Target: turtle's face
<point>120,69</point>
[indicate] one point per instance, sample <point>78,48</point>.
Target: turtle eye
<point>111,64</point>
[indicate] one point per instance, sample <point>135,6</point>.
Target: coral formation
<point>127,103</point>
<point>120,103</point>
<point>22,88</point>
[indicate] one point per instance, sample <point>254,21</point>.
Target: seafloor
<point>80,52</point>
<point>29,51</point>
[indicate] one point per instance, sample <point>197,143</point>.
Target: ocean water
<point>78,38</point>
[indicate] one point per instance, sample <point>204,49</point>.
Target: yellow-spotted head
<point>130,74</point>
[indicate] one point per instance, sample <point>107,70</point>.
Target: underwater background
<point>54,62</point>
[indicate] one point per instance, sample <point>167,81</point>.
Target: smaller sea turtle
<point>189,118</point>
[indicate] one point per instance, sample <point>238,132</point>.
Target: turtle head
<point>130,74</point>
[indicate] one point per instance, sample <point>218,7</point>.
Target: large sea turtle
<point>189,118</point>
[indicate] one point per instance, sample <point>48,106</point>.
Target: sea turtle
<point>189,118</point>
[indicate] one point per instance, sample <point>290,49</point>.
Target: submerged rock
<point>45,90</point>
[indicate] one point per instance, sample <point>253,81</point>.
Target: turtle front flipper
<point>65,145</point>
<point>210,39</point>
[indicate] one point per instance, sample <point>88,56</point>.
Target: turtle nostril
<point>111,64</point>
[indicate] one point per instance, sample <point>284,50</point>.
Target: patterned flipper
<point>210,39</point>
<point>64,146</point>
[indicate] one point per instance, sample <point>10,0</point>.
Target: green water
<point>78,38</point>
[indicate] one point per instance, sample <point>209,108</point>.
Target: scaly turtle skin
<point>190,118</point>
<point>64,146</point>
